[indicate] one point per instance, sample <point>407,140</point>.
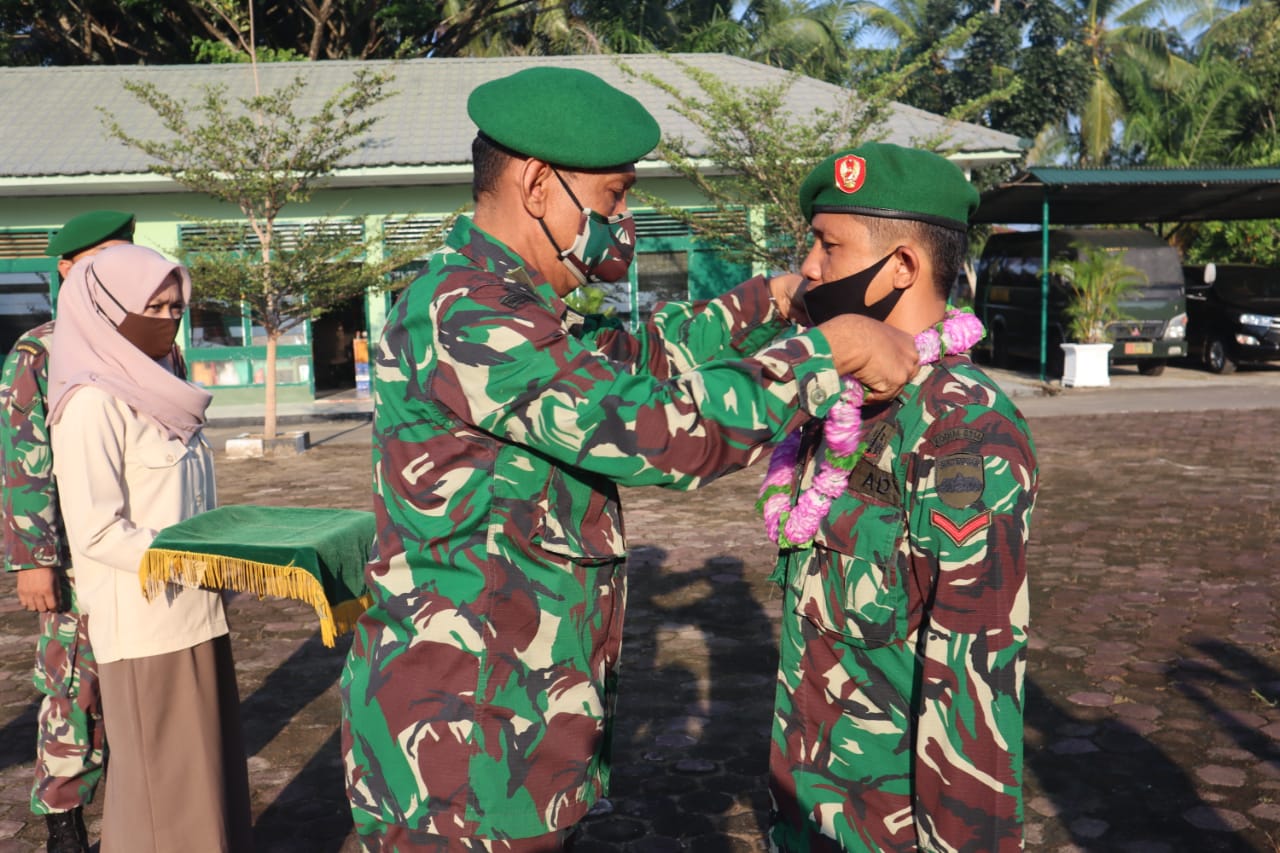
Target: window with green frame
<point>229,349</point>
<point>28,284</point>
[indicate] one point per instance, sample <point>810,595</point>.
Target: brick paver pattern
<point>1153,700</point>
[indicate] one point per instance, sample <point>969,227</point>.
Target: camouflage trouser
<point>70,742</point>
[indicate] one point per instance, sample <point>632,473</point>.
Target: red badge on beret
<point>851,171</point>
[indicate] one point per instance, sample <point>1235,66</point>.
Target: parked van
<point>1007,297</point>
<point>1233,314</point>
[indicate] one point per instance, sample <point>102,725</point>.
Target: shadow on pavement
<point>1106,778</point>
<point>18,737</point>
<point>303,677</point>
<point>311,814</point>
<point>691,748</point>
<point>1240,671</point>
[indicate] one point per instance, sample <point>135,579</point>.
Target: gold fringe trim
<point>160,567</point>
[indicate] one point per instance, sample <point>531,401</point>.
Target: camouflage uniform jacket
<point>33,533</point>
<point>898,719</point>
<point>479,688</point>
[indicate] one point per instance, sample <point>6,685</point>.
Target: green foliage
<point>1242,242</point>
<point>1099,280</point>
<point>156,32</point>
<point>1015,69</point>
<point>211,52</point>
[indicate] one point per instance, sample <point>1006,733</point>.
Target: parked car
<point>1008,297</point>
<point>1233,313</point>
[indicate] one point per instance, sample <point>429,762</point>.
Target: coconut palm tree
<point>1121,45</point>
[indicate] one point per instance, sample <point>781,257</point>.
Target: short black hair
<point>488,159</point>
<point>947,247</point>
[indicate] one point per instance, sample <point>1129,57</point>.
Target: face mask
<point>848,295</point>
<point>603,248</point>
<point>153,335</point>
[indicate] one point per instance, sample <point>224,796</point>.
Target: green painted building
<point>416,171</point>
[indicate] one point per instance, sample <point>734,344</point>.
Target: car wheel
<point>999,347</point>
<point>1152,368</point>
<point>1217,358</point>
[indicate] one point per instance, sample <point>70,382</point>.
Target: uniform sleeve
<point>974,486</point>
<point>88,448</point>
<point>679,336</point>
<point>507,366</point>
<point>33,535</point>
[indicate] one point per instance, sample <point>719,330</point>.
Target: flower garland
<point>793,526</point>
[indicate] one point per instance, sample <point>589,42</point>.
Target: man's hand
<point>783,289</point>
<point>881,357</point>
<point>38,590</point>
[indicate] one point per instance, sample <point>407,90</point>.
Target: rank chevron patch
<point>960,534</point>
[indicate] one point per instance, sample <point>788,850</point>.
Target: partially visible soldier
<point>478,694</point>
<point>902,530</point>
<point>70,743</point>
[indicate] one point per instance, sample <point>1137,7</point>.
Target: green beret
<point>88,230</point>
<point>564,116</point>
<point>882,179</point>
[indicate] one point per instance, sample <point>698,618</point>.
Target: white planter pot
<point>248,446</point>
<point>1085,365</point>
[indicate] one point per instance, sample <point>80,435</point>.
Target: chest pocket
<point>852,586</point>
<point>162,454</point>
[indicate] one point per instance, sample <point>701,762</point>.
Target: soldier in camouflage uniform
<point>898,718</point>
<point>70,745</point>
<point>478,693</point>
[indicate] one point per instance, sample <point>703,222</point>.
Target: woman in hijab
<point>130,459</point>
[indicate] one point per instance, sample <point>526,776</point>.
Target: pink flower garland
<point>794,526</point>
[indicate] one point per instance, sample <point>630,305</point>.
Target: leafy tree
<point>259,154</point>
<point>813,39</point>
<point>1201,119</point>
<point>158,32</point>
<point>1018,70</point>
<point>1122,47</point>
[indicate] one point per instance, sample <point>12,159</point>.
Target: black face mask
<point>153,335</point>
<point>848,295</point>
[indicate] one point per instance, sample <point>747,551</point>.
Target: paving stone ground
<point>1153,694</point>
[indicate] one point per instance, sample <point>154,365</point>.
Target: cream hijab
<point>87,349</point>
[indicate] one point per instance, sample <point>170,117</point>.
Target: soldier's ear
<point>907,266</point>
<point>534,178</point>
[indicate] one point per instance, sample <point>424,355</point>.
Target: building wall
<point>667,266</point>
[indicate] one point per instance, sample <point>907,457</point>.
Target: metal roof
<point>54,124</point>
<point>1110,196</point>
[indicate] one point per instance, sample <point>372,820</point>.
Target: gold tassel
<point>160,567</point>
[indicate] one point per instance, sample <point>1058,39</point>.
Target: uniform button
<point>818,396</point>
<point>169,458</point>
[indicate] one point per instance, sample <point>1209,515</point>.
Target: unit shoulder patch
<point>960,479</point>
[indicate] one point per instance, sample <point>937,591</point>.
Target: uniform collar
<point>490,253</point>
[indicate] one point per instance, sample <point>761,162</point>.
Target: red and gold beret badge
<point>851,171</point>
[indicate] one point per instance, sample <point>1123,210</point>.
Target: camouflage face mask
<point>603,248</point>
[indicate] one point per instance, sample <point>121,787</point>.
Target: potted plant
<point>1098,280</point>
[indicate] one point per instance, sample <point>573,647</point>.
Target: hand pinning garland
<point>793,526</point>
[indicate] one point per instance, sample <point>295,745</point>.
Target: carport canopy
<point>1066,196</point>
<point>1052,195</point>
